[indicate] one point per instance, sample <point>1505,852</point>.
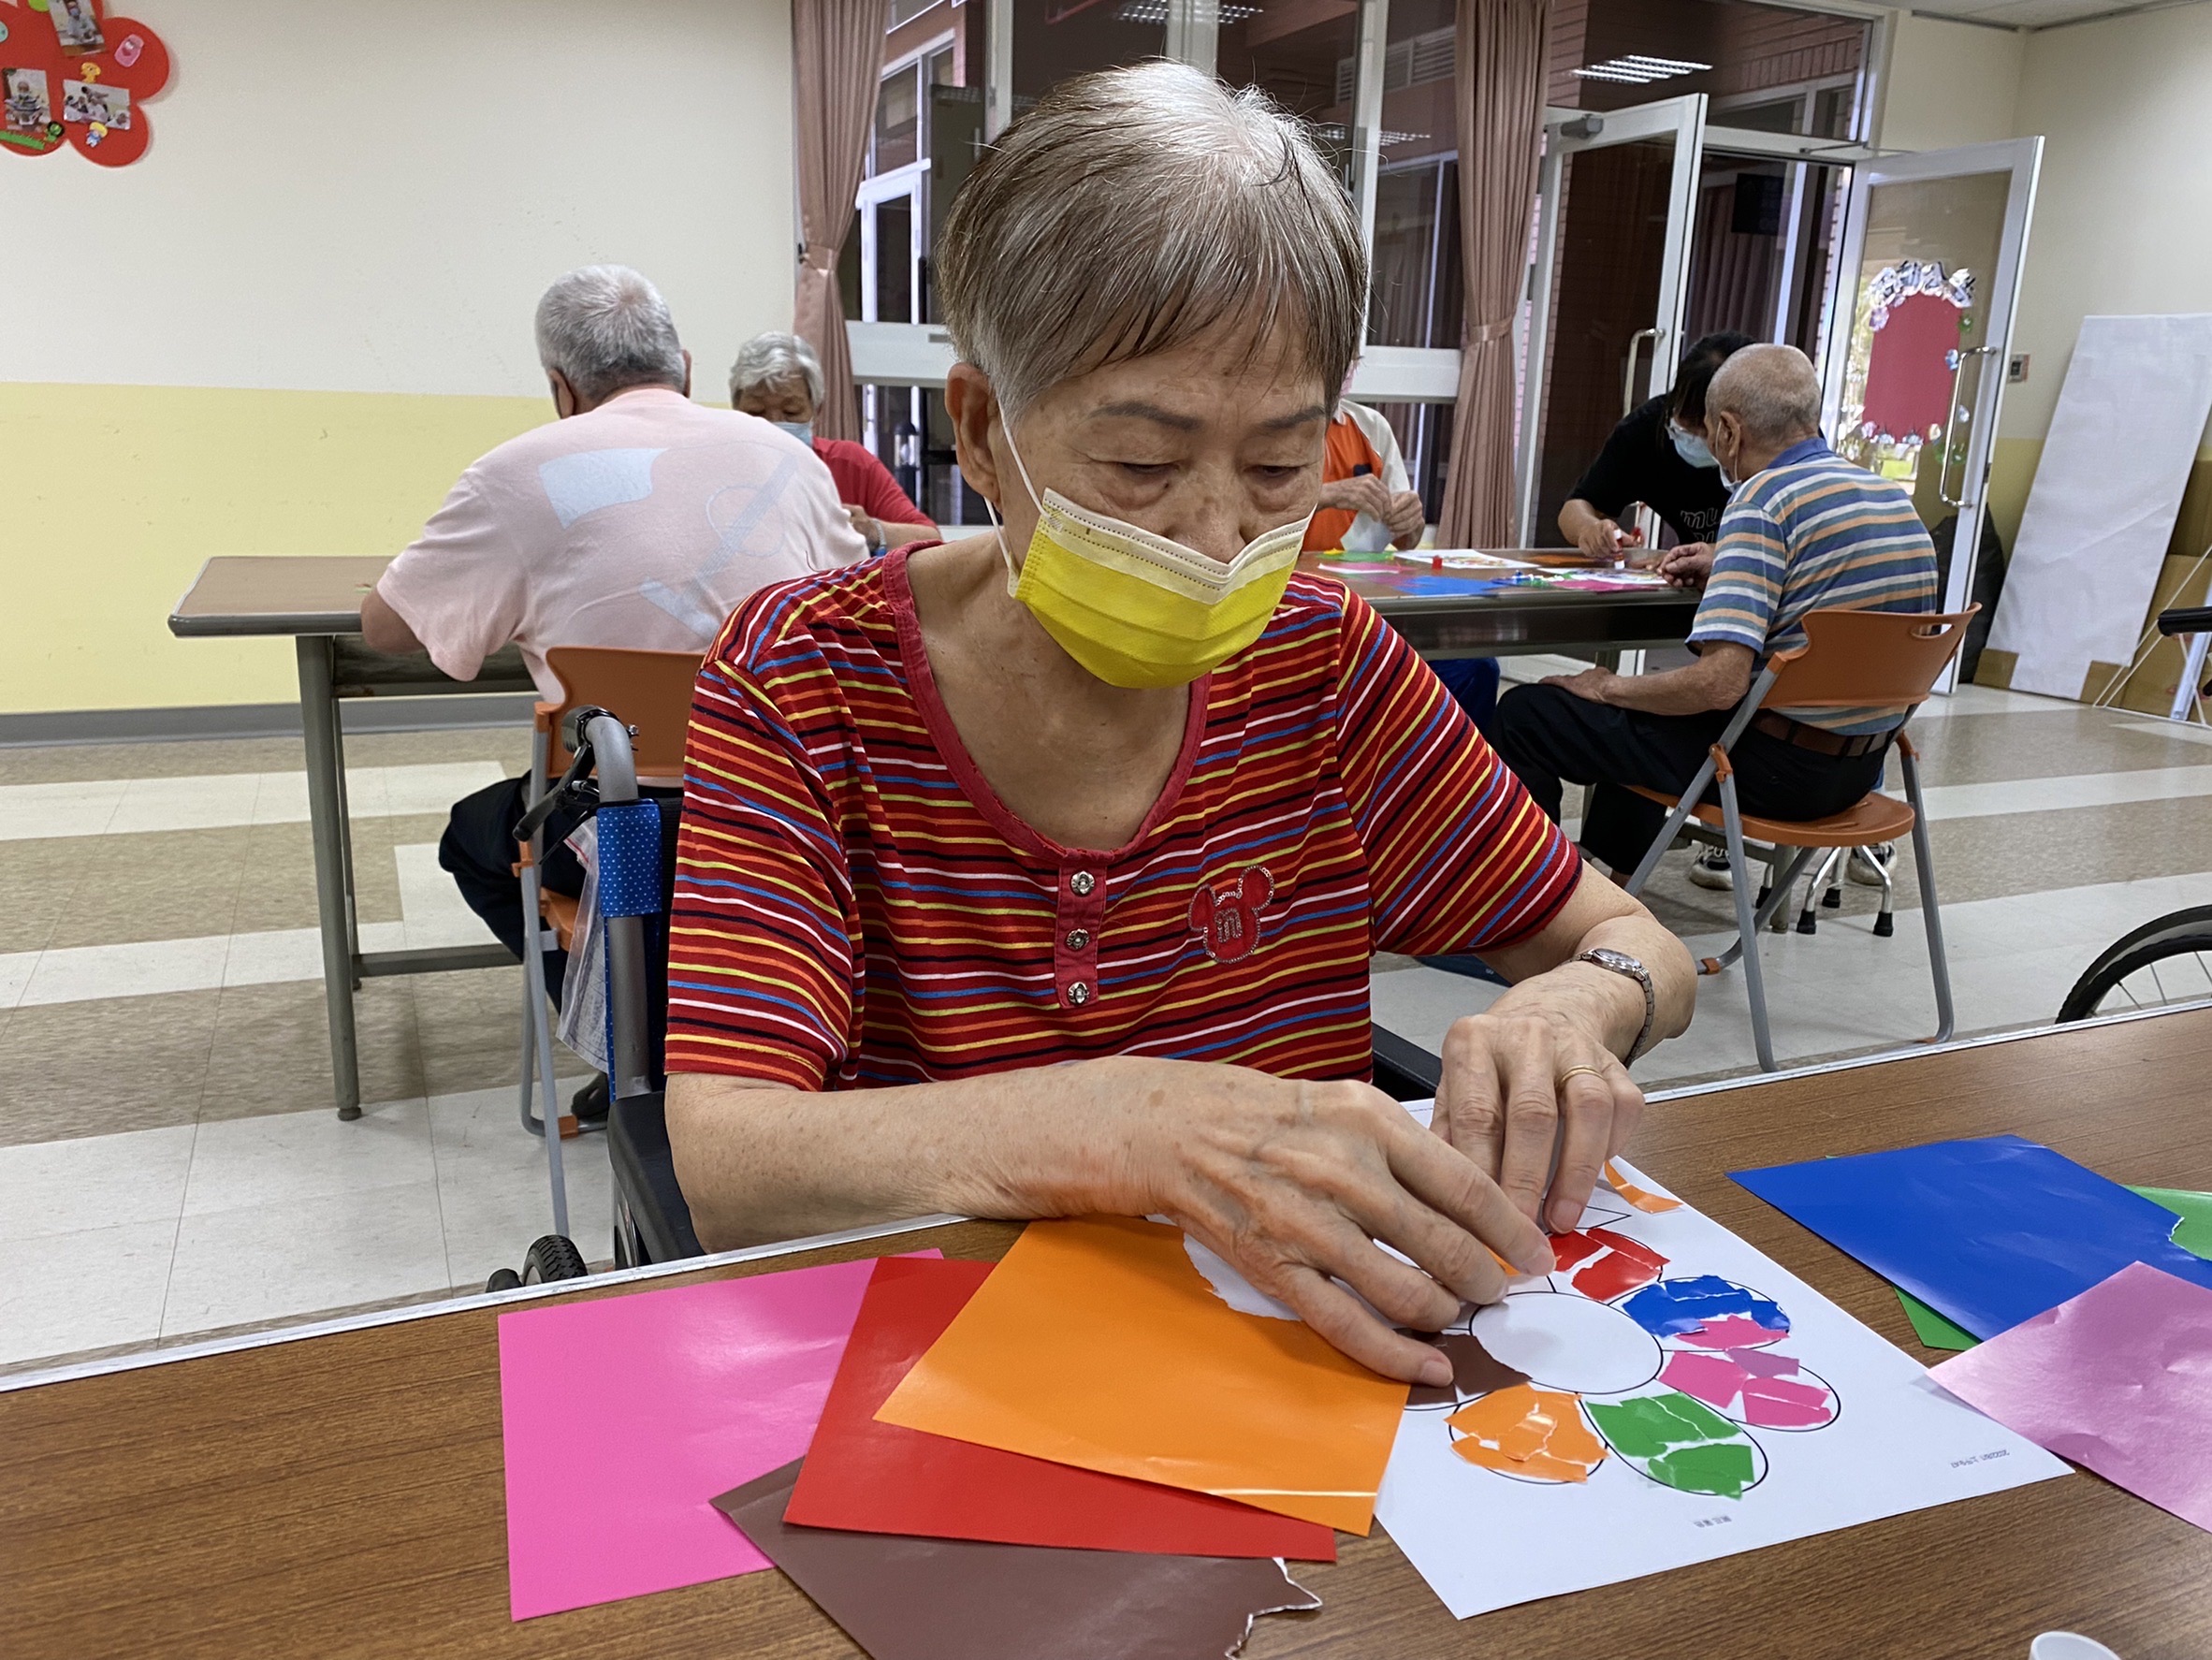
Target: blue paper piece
<point>1988,1232</point>
<point>1677,1307</point>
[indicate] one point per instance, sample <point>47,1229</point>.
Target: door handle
<point>1628,369</point>
<point>1951,422</point>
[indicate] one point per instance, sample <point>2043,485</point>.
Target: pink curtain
<point>1499,59</point>
<point>837,61</point>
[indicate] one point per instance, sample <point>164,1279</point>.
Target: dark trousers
<point>1473,682</point>
<point>478,850</point>
<point>1550,737</point>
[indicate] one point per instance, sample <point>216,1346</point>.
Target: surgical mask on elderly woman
<point>1136,609</point>
<point>802,430</point>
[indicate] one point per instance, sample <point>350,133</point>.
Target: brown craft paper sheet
<point>904,1598</point>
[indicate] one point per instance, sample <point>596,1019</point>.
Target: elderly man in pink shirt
<point>638,519</point>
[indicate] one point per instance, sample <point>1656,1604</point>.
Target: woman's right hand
<point>1295,1181</point>
<point>1605,541</point>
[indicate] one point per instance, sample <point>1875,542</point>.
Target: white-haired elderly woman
<point>778,377</point>
<point>1039,874</point>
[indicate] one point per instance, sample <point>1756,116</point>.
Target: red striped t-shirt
<point>855,907</point>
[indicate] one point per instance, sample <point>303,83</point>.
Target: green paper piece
<point>2195,1235</point>
<point>1932,1328</point>
<point>1679,1442</point>
<point>2192,1234</point>
<point>1724,1470</point>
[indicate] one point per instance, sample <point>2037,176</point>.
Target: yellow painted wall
<point>114,495</point>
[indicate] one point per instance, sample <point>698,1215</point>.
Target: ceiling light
<point>1155,11</point>
<point>1638,69</point>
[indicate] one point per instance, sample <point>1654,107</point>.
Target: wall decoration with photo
<point>74,74</point>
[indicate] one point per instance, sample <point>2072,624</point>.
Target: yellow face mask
<point>1137,610</point>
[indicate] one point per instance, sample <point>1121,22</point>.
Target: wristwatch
<point>1619,962</point>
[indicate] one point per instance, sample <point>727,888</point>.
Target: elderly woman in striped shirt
<point>1038,874</point>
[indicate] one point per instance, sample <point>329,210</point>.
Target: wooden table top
<point>251,594</point>
<point>342,1494</point>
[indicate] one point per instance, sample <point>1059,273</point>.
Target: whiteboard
<point>2129,419</point>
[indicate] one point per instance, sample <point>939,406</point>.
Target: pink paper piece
<point>622,1416</point>
<point>1753,1387</point>
<point>2118,1379</point>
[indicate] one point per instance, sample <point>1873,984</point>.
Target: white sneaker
<point>1710,869</point>
<point>1863,860</point>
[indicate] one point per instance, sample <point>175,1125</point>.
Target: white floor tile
<point>16,968</point>
<point>298,1257</point>
<point>119,807</point>
<point>94,1181</point>
<point>492,1186</point>
<point>2089,789</point>
<point>192,802</point>
<point>435,913</point>
<point>287,1156</point>
<point>79,973</point>
<point>2186,732</point>
<point>63,1293</point>
<point>29,812</point>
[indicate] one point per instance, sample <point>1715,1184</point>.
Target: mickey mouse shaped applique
<point>1227,917</point>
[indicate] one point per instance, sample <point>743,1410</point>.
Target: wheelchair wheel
<point>552,1258</point>
<point>504,1279</point>
<point>2167,960</point>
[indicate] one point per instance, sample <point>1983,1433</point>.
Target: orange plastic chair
<point>652,694</point>
<point>1850,660</point>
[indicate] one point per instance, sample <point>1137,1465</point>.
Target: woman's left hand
<point>1516,1082</point>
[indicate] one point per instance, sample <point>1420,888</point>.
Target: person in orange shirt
<point>1368,503</point>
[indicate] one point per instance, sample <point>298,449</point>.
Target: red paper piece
<point>868,1477</point>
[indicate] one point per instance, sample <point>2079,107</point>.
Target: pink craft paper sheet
<point>622,1416</point>
<point>2118,1379</point>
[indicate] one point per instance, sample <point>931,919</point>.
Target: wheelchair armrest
<point>1405,1072</point>
<point>645,1177</point>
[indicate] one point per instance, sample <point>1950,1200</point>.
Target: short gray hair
<point>1773,390</point>
<point>772,359</point>
<point>1133,209</point>
<point>606,328</point>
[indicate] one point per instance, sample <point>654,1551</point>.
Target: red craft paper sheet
<point>868,1477</point>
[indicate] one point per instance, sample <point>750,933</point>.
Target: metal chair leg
<point>533,969</point>
<point>1939,963</point>
<point>1747,922</point>
<point>1807,923</point>
<point>1885,918</point>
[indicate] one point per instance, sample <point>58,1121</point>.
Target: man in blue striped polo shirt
<point>1804,531</point>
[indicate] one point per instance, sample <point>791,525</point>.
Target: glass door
<point>1928,276</point>
<point>1616,204</point>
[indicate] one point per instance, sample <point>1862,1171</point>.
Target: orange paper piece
<point>1097,1344</point>
<point>1525,1431</point>
<point>1632,1194</point>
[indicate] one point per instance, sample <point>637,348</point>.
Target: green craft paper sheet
<point>1933,1330</point>
<point>2193,1235</point>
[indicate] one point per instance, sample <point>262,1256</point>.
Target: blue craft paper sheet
<point>1990,1232</point>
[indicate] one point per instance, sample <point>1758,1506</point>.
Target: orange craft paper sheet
<point>1096,1343</point>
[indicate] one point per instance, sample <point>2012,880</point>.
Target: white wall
<point>370,195</point>
<point>1949,83</point>
<point>2124,215</point>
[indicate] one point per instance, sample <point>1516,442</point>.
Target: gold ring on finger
<point>1560,1082</point>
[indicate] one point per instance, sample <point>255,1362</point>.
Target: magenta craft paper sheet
<point>2118,1379</point>
<point>623,1417</point>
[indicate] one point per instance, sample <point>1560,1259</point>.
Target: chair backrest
<point>1866,659</point>
<point>650,691</point>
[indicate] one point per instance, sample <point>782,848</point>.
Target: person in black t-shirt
<point>1657,455</point>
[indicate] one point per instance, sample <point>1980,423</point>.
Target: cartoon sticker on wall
<point>76,76</point>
